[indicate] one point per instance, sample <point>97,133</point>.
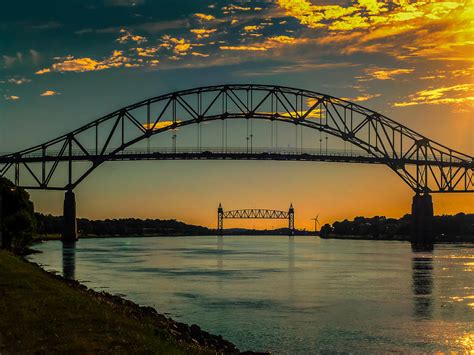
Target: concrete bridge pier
<point>422,219</point>
<point>69,217</point>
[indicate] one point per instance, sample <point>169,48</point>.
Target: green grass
<point>39,313</point>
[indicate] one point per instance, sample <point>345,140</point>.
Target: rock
<point>195,329</point>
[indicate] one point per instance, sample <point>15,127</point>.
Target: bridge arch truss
<point>423,164</point>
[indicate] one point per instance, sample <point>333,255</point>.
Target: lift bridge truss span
<point>424,165</point>
<point>255,214</point>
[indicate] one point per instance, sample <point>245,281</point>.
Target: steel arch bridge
<point>255,214</point>
<point>423,164</point>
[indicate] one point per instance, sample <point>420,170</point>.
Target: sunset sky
<point>66,63</point>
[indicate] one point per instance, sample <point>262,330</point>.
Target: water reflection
<point>69,260</point>
<point>220,252</point>
<point>291,254</point>
<point>422,247</point>
<point>296,296</point>
<point>291,267</point>
<point>422,275</point>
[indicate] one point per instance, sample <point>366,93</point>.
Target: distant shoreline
<point>459,239</point>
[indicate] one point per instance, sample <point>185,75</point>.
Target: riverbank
<point>42,312</point>
<point>49,237</point>
<point>401,238</point>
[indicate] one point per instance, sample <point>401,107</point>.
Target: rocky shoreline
<point>192,335</point>
<point>189,336</point>
<point>184,333</point>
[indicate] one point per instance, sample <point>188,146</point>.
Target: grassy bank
<point>40,312</point>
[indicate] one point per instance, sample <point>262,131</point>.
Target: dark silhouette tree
<point>325,230</point>
<point>18,218</point>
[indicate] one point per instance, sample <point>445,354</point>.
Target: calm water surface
<point>289,295</point>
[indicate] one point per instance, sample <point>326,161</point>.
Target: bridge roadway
<point>229,153</point>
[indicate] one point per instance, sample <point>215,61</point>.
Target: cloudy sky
<point>65,63</point>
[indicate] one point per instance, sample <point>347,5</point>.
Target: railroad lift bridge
<point>255,214</point>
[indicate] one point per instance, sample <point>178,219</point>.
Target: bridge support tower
<point>422,219</point>
<point>69,217</point>
<point>220,220</point>
<point>291,220</point>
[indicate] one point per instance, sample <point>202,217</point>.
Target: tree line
<point>19,222</point>
<point>48,224</point>
<point>459,227</point>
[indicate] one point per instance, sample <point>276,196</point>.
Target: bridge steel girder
<point>255,213</point>
<point>424,165</point>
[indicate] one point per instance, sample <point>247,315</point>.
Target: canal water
<point>289,295</point>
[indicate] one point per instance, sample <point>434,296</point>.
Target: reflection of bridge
<point>255,214</point>
<point>424,165</point>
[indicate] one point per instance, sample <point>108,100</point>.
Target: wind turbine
<point>316,222</point>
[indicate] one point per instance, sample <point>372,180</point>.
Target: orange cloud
<point>361,98</point>
<point>71,64</point>
<point>364,12</point>
<point>43,71</point>
<point>203,32</point>
<point>303,10</point>
<point>147,52</point>
<point>372,6</point>
<point>456,94</point>
<point>77,65</point>
<point>179,46</point>
<point>442,30</point>
<point>159,125</point>
<point>126,36</point>
<point>49,93</point>
<point>252,28</point>
<point>197,54</point>
<point>204,17</point>
<point>242,48</point>
<point>12,97</point>
<point>387,74</point>
<point>269,43</point>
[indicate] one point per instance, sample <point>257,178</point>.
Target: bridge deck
<point>217,153</point>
